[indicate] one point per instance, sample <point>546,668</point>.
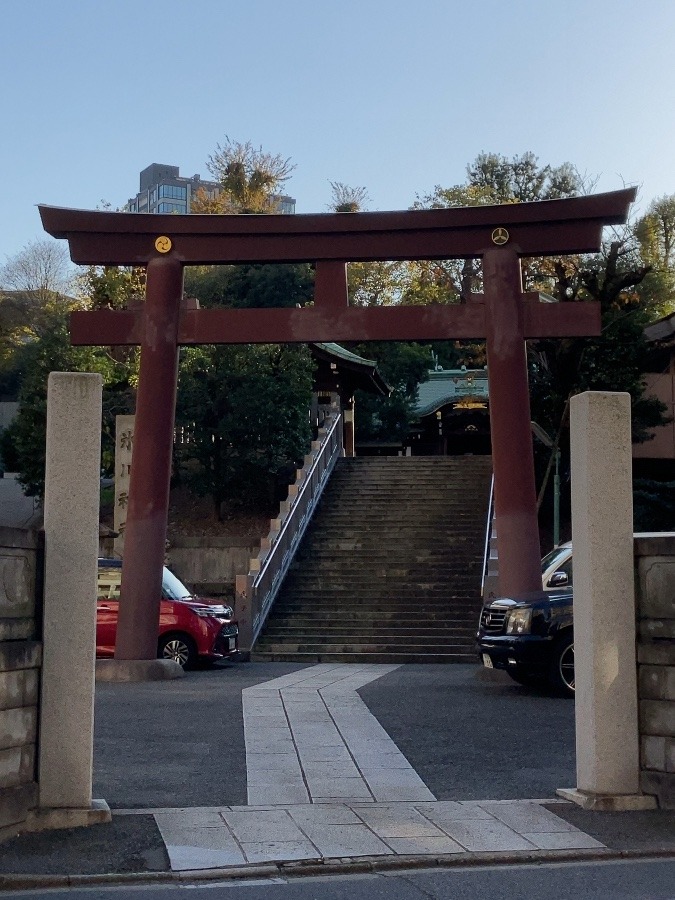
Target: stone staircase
<point>390,567</point>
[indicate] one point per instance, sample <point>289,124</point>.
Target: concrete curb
<point>339,866</point>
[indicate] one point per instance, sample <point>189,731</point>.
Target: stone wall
<point>209,565</point>
<point>655,600</point>
<point>20,661</point>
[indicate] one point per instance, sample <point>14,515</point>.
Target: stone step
<point>389,570</point>
<point>364,590</point>
<point>299,596</point>
<point>396,630</point>
<point>394,658</point>
<point>365,646</point>
<point>389,619</point>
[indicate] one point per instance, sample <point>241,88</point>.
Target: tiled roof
<point>449,386</point>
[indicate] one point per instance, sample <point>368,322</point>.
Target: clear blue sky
<point>391,95</point>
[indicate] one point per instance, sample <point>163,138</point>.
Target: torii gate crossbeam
<point>504,316</point>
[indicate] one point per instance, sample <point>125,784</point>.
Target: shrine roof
<point>449,386</point>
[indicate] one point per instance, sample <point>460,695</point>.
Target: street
<point>470,734</point>
<point>627,880</point>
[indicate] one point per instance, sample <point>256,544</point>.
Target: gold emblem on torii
<point>500,236</point>
<point>163,244</point>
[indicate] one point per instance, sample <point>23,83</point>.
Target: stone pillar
<point>124,444</point>
<point>607,742</point>
<point>71,515</point>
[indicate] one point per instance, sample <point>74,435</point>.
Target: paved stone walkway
<point>311,739</point>
<point>326,781</point>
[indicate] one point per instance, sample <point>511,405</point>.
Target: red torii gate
<point>503,315</point>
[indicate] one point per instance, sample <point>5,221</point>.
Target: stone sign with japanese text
<point>124,441</point>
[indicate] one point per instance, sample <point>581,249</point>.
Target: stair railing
<point>256,591</point>
<point>489,582</point>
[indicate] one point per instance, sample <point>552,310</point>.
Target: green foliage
<point>403,366</point>
<point>522,179</point>
<point>112,287</point>
<point>656,235</point>
<point>23,442</point>
<point>252,285</point>
<point>245,415</point>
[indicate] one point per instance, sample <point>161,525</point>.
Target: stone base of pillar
<point>608,802</point>
<point>67,817</point>
<point>137,670</point>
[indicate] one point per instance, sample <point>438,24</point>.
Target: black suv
<point>531,640</point>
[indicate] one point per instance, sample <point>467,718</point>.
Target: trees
<point>249,176</point>
<point>655,232</point>
<point>35,291</point>
<point>244,411</point>
<point>250,285</point>
<point>39,343</point>
<point>23,442</point>
<point>615,360</point>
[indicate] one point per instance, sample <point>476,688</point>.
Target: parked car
<point>533,641</point>
<point>190,628</point>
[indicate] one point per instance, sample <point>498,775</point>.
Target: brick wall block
<point>657,683</point>
<point>661,785</point>
<point>18,688</point>
<point>670,755</point>
<point>16,803</point>
<point>656,653</point>
<point>17,583</point>
<point>20,655</point>
<point>17,726</point>
<point>17,629</point>
<point>653,753</point>
<point>656,718</point>
<point>659,629</point>
<point>17,765</point>
<point>656,586</point>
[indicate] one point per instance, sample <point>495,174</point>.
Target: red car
<point>190,628</point>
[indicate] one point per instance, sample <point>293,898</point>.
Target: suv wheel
<point>561,672</point>
<point>180,648</point>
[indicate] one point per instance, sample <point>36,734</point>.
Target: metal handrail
<point>488,535</point>
<point>269,569</point>
<point>307,481</point>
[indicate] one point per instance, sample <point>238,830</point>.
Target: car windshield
<point>555,558</point>
<point>173,587</point>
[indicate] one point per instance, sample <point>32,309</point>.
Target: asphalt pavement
<point>471,736</point>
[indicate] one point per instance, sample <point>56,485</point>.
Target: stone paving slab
<point>328,743</point>
<point>206,838</point>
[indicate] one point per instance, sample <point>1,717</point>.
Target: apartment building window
<point>172,192</point>
<point>171,207</point>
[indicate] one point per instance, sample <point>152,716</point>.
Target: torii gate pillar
<point>512,455</point>
<point>145,532</point>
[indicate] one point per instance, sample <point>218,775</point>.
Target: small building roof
<point>363,373</point>
<point>661,330</point>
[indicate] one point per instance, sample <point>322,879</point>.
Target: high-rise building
<point>163,190</point>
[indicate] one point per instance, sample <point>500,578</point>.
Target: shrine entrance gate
<point>503,315</point>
